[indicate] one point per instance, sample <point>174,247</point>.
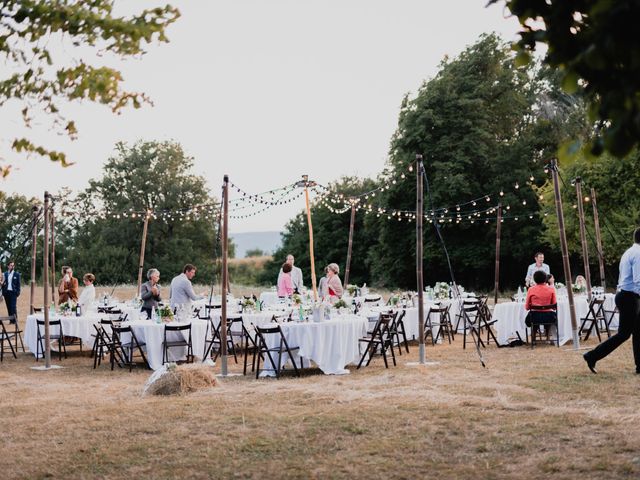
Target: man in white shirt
<point>181,290</point>
<point>296,275</point>
<point>534,267</point>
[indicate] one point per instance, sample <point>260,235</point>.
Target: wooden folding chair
<point>265,352</point>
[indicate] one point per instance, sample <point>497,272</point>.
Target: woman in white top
<point>88,294</point>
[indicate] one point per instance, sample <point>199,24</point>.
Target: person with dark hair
<point>11,288</point>
<point>628,303</point>
<point>540,295</point>
<point>534,267</point>
<point>181,290</point>
<point>296,275</point>
<point>88,294</point>
<point>285,283</point>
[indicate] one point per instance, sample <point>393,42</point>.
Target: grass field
<point>530,414</point>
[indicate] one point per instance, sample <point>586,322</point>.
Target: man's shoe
<point>590,363</point>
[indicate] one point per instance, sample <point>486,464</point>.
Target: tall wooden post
<point>34,247</point>
<point>305,179</point>
<point>53,252</point>
<point>583,236</point>
<point>419,255</point>
<point>498,232</point>
<point>142,249</point>
<point>596,224</point>
<point>45,284</point>
<point>225,275</point>
<point>349,248</point>
<point>565,253</point>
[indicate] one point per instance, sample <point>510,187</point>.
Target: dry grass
<point>530,414</point>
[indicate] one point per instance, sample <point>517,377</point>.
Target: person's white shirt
<point>181,292</point>
<point>296,278</point>
<point>87,297</point>
<point>10,281</point>
<point>533,268</point>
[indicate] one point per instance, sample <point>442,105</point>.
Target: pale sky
<point>268,90</point>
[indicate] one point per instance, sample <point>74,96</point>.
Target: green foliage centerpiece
<point>67,307</point>
<point>165,314</point>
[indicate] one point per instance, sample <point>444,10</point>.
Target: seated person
<point>334,285</point>
<point>88,294</point>
<point>581,282</point>
<point>540,295</point>
<point>285,282</point>
<point>551,281</point>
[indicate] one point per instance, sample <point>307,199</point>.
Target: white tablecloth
<point>510,317</point>
<point>269,298</point>
<point>331,344</point>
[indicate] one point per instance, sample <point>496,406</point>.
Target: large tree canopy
<point>596,46</point>
<point>41,82</point>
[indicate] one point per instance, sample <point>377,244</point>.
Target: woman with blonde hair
<point>334,284</point>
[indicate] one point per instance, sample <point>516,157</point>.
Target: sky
<point>266,91</point>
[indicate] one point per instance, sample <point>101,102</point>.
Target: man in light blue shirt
<point>534,267</point>
<point>181,291</point>
<point>628,303</point>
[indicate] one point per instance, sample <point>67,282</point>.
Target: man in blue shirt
<point>534,267</point>
<point>628,303</point>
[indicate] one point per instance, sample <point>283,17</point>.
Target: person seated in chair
<point>540,295</point>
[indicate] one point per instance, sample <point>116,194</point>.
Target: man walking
<point>11,288</point>
<point>628,303</point>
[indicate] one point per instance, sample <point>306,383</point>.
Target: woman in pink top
<point>285,284</point>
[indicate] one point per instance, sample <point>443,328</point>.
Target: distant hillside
<point>268,242</point>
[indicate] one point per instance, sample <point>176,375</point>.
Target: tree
<point>482,128</point>
<point>41,83</point>
<point>148,176</point>
<point>254,252</point>
<point>595,46</point>
<point>15,231</point>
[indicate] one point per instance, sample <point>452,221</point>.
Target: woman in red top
<point>541,294</point>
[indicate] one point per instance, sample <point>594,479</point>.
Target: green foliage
<point>146,176</point>
<point>15,231</point>
<point>615,182</point>
<point>254,252</point>
<point>42,83</point>
<point>594,45</point>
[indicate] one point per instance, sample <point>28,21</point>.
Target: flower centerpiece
<point>578,288</point>
<point>394,299</point>
<point>341,306</point>
<point>248,304</point>
<point>165,313</point>
<point>67,307</point>
<point>441,290</point>
<point>296,299</point>
<point>352,289</point>
<point>558,285</point>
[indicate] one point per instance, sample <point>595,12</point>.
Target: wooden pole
<point>53,253</point>
<point>583,237</point>
<point>311,254</point>
<point>565,253</point>
<point>419,255</point>
<point>350,247</point>
<point>596,224</point>
<point>498,232</point>
<point>143,247</point>
<point>225,275</point>
<point>45,284</point>
<point>34,247</point>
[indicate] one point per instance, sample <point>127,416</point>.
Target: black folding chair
<point>438,316</point>
<point>15,332</point>
<point>546,316</point>
<point>379,341</point>
<point>265,352</point>
<point>7,337</point>
<point>52,336</point>
<point>124,344</point>
<point>179,342</point>
<point>595,318</point>
<point>212,339</point>
<point>397,329</point>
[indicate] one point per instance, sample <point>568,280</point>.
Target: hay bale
<point>180,380</point>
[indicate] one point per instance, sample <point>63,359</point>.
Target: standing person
<point>181,290</point>
<point>88,294</point>
<point>11,288</point>
<point>150,292</point>
<point>334,284</point>
<point>285,282</point>
<point>323,291</point>
<point>628,303</point>
<point>296,275</point>
<point>534,267</point>
<point>68,286</point>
